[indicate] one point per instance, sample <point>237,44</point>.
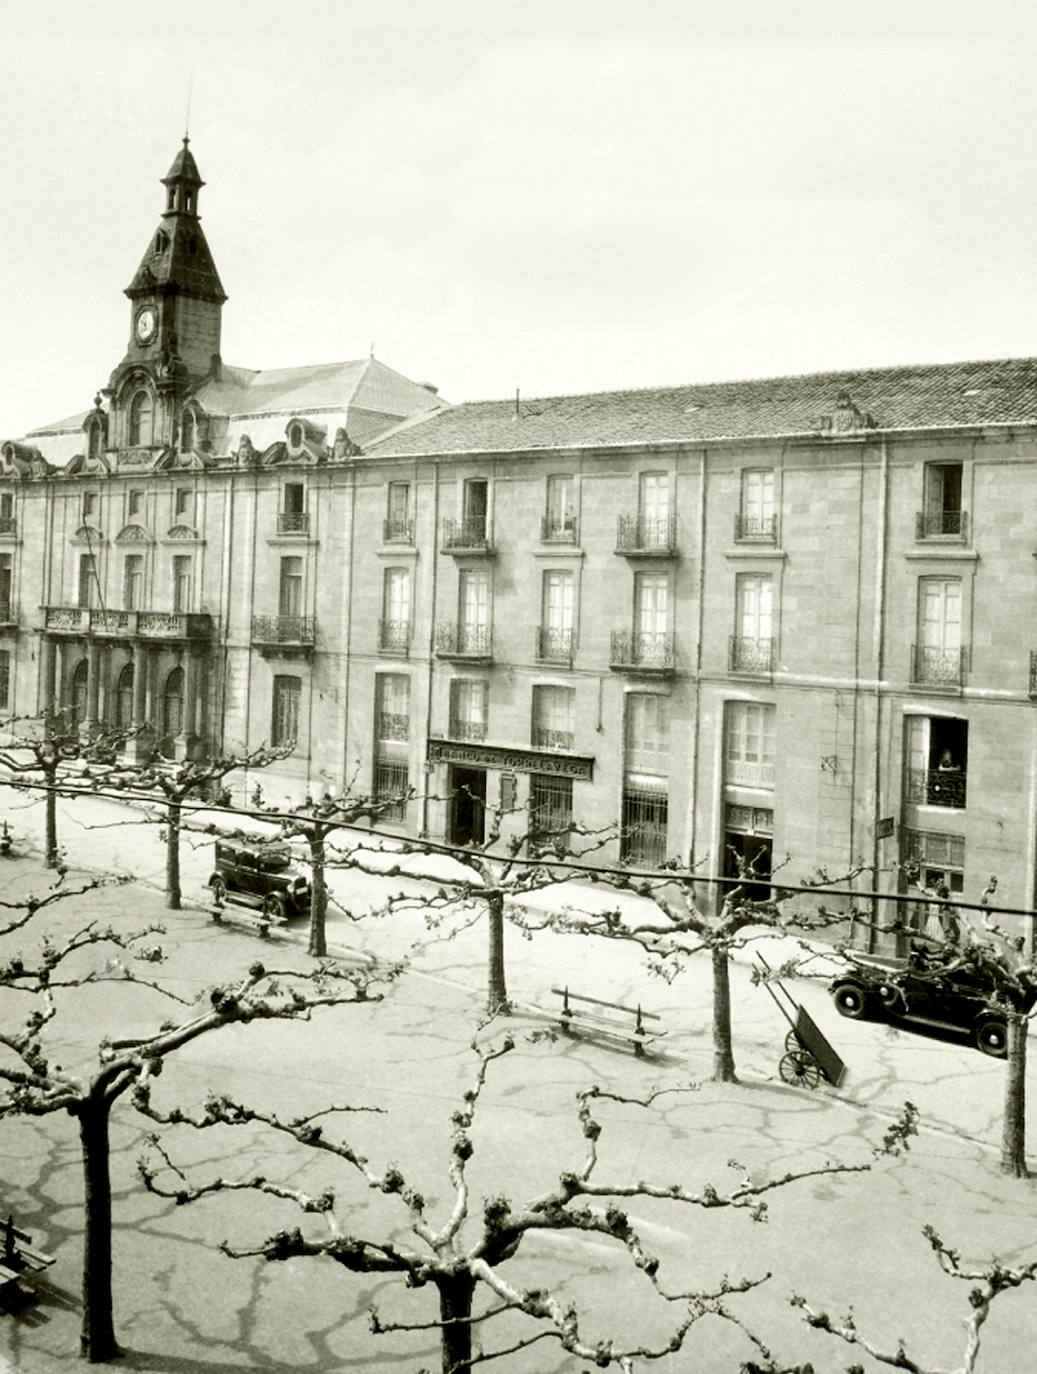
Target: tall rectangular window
<point>468,708</point>
<point>133,582</point>
<point>476,507</point>
<point>6,599</point>
<point>556,622</point>
<point>89,507</point>
<point>646,766</point>
<point>651,636</point>
<point>647,734</point>
<point>183,505</point>
<point>398,528</point>
<point>654,496</point>
<point>392,732</point>
<point>134,504</point>
<point>554,717</point>
<point>183,590</point>
<point>293,497</point>
<point>749,744</point>
<point>550,810</point>
<point>6,505</point>
<point>290,587</point>
<point>394,632</point>
<point>938,654</point>
<point>942,513</point>
<point>560,517</point>
<point>473,610</point>
<point>752,647</point>
<point>936,756</point>
<point>756,519</point>
<point>284,725</point>
<point>87,587</point>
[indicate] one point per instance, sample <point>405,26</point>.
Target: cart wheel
<point>800,1069</point>
<point>792,1042</point>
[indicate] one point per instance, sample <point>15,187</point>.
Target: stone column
<point>200,721</point>
<point>48,665</point>
<point>186,736</point>
<point>140,743</point>
<point>93,684</point>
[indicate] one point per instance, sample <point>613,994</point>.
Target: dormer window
<point>187,432</point>
<point>161,242</point>
<point>141,415</point>
<point>93,449</point>
<point>295,436</point>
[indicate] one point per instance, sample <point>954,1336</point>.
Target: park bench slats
<point>19,1259</point>
<point>618,1026</point>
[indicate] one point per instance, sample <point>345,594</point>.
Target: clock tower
<point>176,301</point>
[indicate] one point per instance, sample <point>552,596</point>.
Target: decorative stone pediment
<point>182,534</point>
<point>21,460</point>
<point>191,459</point>
<point>88,534</point>
<point>83,465</point>
<point>133,534</point>
<point>846,418</point>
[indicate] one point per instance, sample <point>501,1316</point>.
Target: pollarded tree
<point>33,1084</point>
<point>35,759</point>
<point>464,1256</point>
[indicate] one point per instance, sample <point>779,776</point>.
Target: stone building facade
<point>770,618</point>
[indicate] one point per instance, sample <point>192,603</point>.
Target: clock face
<point>146,323</point>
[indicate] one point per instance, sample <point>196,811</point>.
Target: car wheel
<point>890,996</point>
<point>992,1037</point>
<point>274,907</point>
<point>219,891</point>
<point>850,1000</point>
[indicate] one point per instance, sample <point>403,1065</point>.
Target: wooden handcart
<point>808,1056</point>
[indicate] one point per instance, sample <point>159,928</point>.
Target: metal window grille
<point>287,697</point>
<point>936,787</point>
<point>391,783</point>
<point>939,667</point>
<point>647,533</point>
<point>550,809</point>
<point>645,817</point>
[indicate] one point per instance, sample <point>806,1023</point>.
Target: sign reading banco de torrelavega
<point>521,760</point>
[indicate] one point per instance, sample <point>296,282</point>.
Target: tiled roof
<point>923,397</point>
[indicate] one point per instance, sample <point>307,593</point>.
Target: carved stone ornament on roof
<point>246,453</point>
<point>138,458</point>
<point>133,534</point>
<point>344,446</point>
<point>846,418</point>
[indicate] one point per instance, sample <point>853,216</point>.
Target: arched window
<point>140,418</point>
<point>75,709</point>
<point>172,709</point>
<point>124,698</point>
<point>187,431</point>
<point>295,436</point>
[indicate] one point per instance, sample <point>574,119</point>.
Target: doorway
<point>467,805</point>
<point>748,848</point>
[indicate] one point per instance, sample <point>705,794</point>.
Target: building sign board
<point>884,828</point>
<point>517,760</point>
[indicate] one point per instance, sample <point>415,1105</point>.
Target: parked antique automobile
<point>260,875</point>
<point>931,988</point>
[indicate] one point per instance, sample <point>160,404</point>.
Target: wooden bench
<point>252,917</point>
<point>618,1027</point>
<point>19,1259</point>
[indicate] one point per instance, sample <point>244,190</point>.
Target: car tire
<point>219,891</point>
<point>991,1036</point>
<point>890,997</point>
<point>850,1001</point>
<point>274,907</point>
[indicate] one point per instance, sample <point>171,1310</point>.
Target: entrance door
<point>468,805</point>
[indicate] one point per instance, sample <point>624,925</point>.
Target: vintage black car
<point>929,989</point>
<point>260,875</point>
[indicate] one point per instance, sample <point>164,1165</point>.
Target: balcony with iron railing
<point>757,773</point>
<point>751,654</point>
<point>940,668</point>
<point>106,624</point>
<point>643,651</point>
<point>942,524</point>
<point>8,525</point>
<point>293,522</point>
<point>462,641</point>
<point>397,529</point>
<point>394,637</point>
<point>8,614</point>
<point>472,730</point>
<point>646,536</point>
<point>756,529</point>
<point>544,737</point>
<point>291,632</point>
<point>936,787</point>
<point>470,535</point>
<point>554,645</point>
<point>558,529</point>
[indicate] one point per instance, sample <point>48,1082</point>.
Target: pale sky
<point>558,197</point>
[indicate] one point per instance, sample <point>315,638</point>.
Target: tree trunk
<point>497,988</point>
<point>97,1336</point>
<point>723,1055</point>
<point>455,1305</point>
<point>1013,1130</point>
<point>318,945</point>
<point>173,809</point>
<point>51,857</point>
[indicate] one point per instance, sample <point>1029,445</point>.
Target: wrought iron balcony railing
<point>467,729</point>
<point>8,524</point>
<point>84,620</point>
<point>757,529</point>
<point>644,651</point>
<point>470,535</point>
<point>8,616</point>
<point>936,787</point>
<point>749,773</point>
<point>458,640</point>
<point>942,524</point>
<point>553,645</point>
<point>647,536</point>
<point>558,529</point>
<point>293,522</point>
<point>283,629</point>
<point>546,738</point>
<point>394,636</point>
<point>749,654</point>
<point>938,667</point>
<point>392,726</point>
<point>397,530</point>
